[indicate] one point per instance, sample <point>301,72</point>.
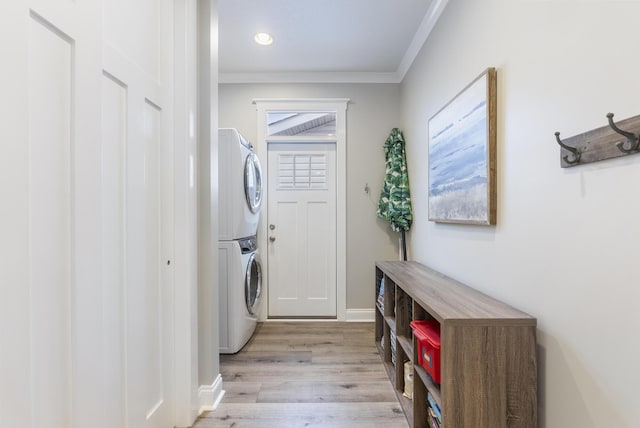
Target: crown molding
<point>310,77</point>
<point>421,36</point>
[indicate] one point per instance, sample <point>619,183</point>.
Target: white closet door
<point>137,174</point>
<point>50,273</point>
<point>85,182</point>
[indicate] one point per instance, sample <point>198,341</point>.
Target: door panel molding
<point>114,160</point>
<point>51,227</point>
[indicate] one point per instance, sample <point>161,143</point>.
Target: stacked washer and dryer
<point>240,275</point>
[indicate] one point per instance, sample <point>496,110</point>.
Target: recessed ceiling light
<point>263,39</point>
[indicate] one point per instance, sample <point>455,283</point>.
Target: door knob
<point>272,238</point>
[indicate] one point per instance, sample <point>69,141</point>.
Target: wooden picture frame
<point>462,155</point>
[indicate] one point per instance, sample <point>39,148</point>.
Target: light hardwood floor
<point>306,374</point>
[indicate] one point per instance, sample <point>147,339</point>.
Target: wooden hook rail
<point>610,141</point>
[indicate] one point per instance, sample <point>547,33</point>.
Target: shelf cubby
<point>488,350</point>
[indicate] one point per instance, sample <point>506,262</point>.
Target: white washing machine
<point>240,186</point>
<point>240,289</point>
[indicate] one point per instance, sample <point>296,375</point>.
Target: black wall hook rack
<point>611,141</point>
<point>574,151</point>
<point>632,139</point>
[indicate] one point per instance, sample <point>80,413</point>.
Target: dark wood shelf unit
<point>391,322</point>
<point>429,384</point>
<point>406,344</point>
<point>488,350</point>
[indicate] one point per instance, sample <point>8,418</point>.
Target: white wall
<point>564,246</point>
<point>373,111</point>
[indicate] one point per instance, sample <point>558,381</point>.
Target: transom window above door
<point>288,124</point>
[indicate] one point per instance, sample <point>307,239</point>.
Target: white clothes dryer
<point>239,186</point>
<point>240,276</point>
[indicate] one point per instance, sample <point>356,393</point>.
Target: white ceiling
<point>322,40</point>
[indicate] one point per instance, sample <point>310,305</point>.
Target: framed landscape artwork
<point>462,156</point>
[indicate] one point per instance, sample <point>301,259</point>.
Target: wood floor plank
<point>267,357</point>
<point>320,344</point>
<point>329,372</point>
<point>306,374</point>
<point>347,357</point>
<point>241,392</point>
<point>325,392</point>
<point>294,415</point>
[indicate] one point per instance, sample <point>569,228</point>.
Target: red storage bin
<point>427,333</point>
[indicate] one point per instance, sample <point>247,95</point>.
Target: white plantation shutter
<point>285,171</point>
<point>302,171</point>
<point>318,172</point>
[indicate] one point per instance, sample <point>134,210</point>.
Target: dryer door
<point>253,284</point>
<point>253,182</point>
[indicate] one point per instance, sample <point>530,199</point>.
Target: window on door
<point>302,171</point>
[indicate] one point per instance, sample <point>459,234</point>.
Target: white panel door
<point>50,267</point>
<point>86,272</point>
<point>302,230</point>
<point>137,206</point>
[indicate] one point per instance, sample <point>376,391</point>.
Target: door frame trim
<point>339,105</point>
<point>188,394</point>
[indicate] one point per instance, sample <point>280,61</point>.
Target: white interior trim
<point>419,39</point>
<point>210,396</point>
<point>185,217</point>
<point>312,77</point>
<point>339,105</point>
<point>361,315</point>
<point>352,315</point>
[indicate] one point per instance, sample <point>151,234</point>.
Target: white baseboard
<point>210,395</point>
<point>352,315</point>
<point>361,315</point>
